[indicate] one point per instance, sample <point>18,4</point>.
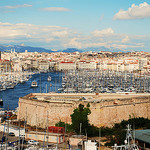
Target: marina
<point>11,96</point>
<point>9,80</point>
<point>98,81</point>
<point>77,81</point>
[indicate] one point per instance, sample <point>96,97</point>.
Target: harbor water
<point>11,96</point>
<point>78,81</point>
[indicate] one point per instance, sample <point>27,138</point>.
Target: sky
<point>61,24</point>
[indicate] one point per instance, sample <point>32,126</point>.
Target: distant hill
<point>102,48</point>
<point>19,48</point>
<point>71,50</point>
<point>93,49</point>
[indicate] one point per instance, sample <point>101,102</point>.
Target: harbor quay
<point>47,109</point>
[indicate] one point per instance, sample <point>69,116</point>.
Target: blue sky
<point>59,24</point>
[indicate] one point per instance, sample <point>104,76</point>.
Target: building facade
<point>66,66</point>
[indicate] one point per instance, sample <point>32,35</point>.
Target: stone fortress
<point>46,109</point>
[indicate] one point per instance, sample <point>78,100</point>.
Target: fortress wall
<point>39,112</point>
<point>103,113</point>
<point>106,114</point>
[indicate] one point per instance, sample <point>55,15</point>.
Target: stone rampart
<point>47,109</point>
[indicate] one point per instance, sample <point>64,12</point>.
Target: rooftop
<point>143,135</point>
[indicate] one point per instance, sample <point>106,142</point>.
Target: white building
<point>43,65</point>
<point>87,65</point>
<point>102,66</point>
<point>52,64</point>
<point>131,66</point>
<point>17,67</point>
<point>35,64</point>
<point>89,145</point>
<point>142,63</point>
<point>66,66</point>
<point>120,67</point>
<point>14,129</point>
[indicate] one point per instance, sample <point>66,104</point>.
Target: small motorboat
<point>1,102</point>
<point>49,78</point>
<point>34,84</point>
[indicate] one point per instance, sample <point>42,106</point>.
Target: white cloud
<point>125,39</point>
<point>50,39</point>
<point>61,9</point>
<point>96,45</point>
<point>8,30</point>
<point>108,31</point>
<point>62,37</point>
<point>14,31</point>
<point>123,46</point>
<point>135,12</point>
<point>55,36</point>
<point>17,6</point>
<point>73,43</point>
<point>60,33</point>
<point>5,24</point>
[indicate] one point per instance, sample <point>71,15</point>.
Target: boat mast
<point>47,131</point>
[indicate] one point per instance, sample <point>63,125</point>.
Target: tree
<point>80,116</point>
<point>65,125</point>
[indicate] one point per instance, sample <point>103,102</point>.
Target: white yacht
<point>49,78</point>
<point>1,102</point>
<point>34,84</point>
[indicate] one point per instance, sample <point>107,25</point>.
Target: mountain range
<point>19,48</point>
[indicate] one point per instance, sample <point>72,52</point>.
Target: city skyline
<point>60,24</point>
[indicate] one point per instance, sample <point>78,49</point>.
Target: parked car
<point>22,136</point>
<point>4,138</point>
<point>23,141</point>
<point>33,142</point>
<point>11,134</point>
<point>49,145</point>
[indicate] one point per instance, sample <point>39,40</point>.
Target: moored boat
<point>49,78</point>
<point>34,84</point>
<point>1,102</point>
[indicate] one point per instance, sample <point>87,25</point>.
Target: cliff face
<point>104,112</point>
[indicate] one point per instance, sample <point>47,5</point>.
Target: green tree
<point>80,116</point>
<point>65,125</point>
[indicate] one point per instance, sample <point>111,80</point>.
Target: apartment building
<point>35,64</point>
<point>5,65</point>
<point>16,66</point>
<point>66,66</point>
<point>87,65</point>
<point>43,65</point>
